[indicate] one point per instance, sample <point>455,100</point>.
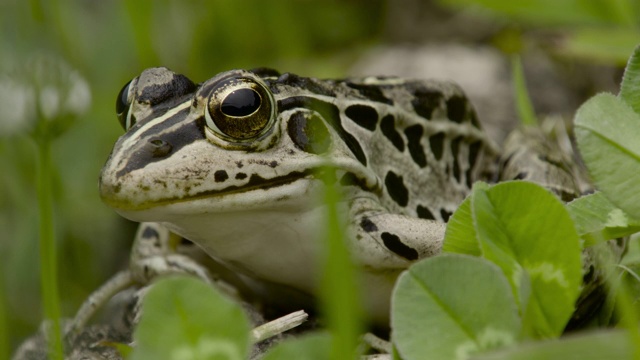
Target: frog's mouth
<point>254,191</point>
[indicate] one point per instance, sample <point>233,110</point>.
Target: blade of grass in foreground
<point>4,331</point>
<point>523,101</point>
<point>339,295</point>
<point>48,265</point>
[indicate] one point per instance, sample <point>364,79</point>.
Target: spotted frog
<point>238,164</point>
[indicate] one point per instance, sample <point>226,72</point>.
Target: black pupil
<point>121,100</point>
<point>240,103</point>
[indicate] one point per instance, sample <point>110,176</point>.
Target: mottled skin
<point>246,189</point>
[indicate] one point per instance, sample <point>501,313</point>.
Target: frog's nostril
<point>159,148</point>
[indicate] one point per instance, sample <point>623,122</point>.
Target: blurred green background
<point>108,42</point>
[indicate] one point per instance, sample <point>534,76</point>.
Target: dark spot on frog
<point>185,133</point>
<point>457,108</point>
<point>363,115</point>
<point>474,151</point>
<point>393,243</point>
<point>426,100</point>
<point>160,182</point>
<point>396,189</point>
<point>186,242</point>
<point>388,127</point>
<point>156,85</point>
<point>330,113</point>
<point>367,225</point>
<point>424,213</point>
<point>372,92</point>
<point>350,179</point>
<point>313,85</point>
<point>271,164</point>
<point>445,215</point>
<point>239,164</point>
<point>521,176</point>
<point>265,72</point>
<point>220,176</point>
<point>241,176</point>
<point>436,142</point>
<point>455,147</point>
<point>308,132</point>
<point>149,233</point>
<point>414,135</point>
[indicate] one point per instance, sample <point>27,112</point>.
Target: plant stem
<point>340,297</point>
<point>48,265</point>
<point>523,101</point>
<point>4,329</point>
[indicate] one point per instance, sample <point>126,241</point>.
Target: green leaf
<point>608,135</point>
<point>450,306</point>
<point>527,232</point>
<point>460,236</point>
<point>308,347</point>
<point>598,220</point>
<point>609,344</point>
<point>630,86</point>
<point>184,318</point>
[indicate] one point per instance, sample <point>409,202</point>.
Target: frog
<point>238,165</point>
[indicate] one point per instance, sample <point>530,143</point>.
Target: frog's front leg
<point>154,253</point>
<point>381,239</point>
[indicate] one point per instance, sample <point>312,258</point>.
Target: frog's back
<point>422,139</point>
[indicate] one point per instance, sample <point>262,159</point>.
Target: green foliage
<point>607,131</point>
<point>597,30</point>
<point>630,86</point>
<point>184,318</point>
<point>451,306</point>
<point>609,344</point>
<point>600,44</point>
<point>542,263</point>
<point>555,13</point>
<point>598,220</point>
<point>534,240</point>
<point>206,37</point>
<point>316,346</point>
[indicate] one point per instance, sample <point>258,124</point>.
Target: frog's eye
<point>239,109</point>
<point>123,105</point>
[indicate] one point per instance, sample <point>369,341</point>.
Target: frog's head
<point>241,139</point>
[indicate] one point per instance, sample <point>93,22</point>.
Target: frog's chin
<point>298,195</point>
